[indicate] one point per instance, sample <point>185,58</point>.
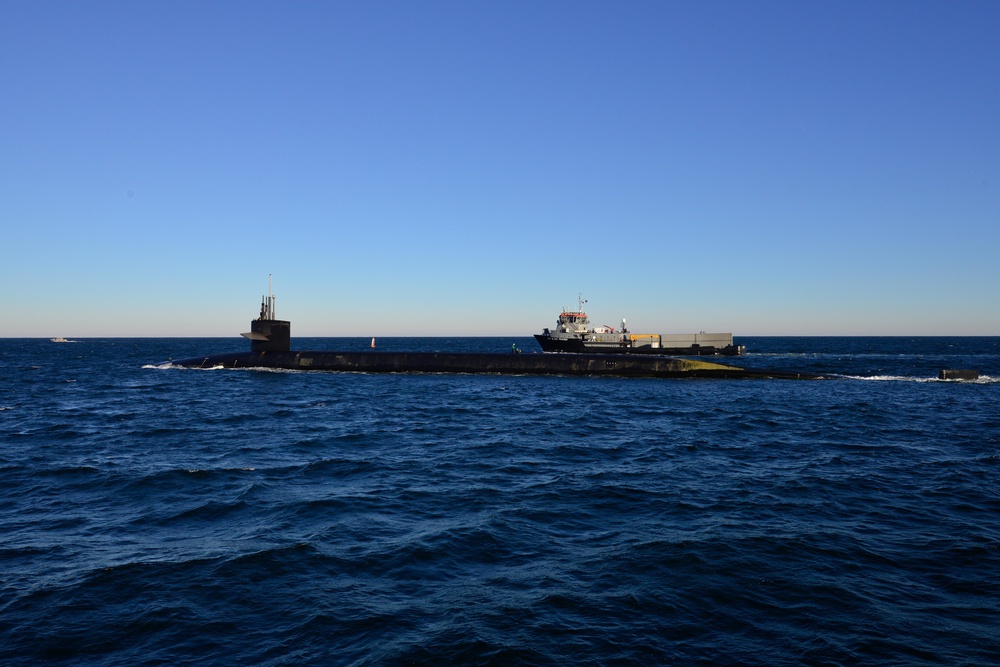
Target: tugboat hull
<point>578,346</point>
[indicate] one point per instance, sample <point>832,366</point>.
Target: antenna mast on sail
<point>267,309</point>
<point>270,297</point>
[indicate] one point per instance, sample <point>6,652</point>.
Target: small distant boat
<point>373,343</point>
<point>60,339</point>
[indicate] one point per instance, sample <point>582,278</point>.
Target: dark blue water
<point>156,515</point>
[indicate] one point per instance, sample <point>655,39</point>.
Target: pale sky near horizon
<point>469,168</point>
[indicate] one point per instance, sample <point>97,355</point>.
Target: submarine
<point>270,348</point>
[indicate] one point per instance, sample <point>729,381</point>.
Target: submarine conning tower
<point>268,334</point>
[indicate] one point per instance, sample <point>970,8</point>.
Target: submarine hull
<point>502,364</point>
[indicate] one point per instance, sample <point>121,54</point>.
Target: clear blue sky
<point>469,168</point>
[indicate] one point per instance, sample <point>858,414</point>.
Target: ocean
<point>154,515</point>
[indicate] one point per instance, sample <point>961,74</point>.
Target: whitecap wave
<point>169,365</point>
<point>983,379</point>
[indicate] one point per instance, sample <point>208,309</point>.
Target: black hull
<point>503,364</point>
<point>577,346</point>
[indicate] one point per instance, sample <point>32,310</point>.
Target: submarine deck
<point>502,364</point>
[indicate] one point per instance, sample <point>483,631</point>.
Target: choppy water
<point>156,515</point>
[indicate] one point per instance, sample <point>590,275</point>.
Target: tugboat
<point>574,333</point>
